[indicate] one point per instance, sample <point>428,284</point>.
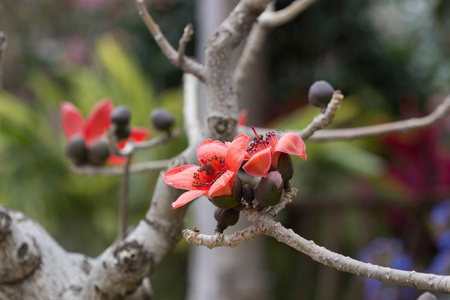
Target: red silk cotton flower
<point>95,126</point>
<point>219,165</point>
<point>265,151</point>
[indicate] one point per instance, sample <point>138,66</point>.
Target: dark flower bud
<point>121,116</point>
<point>269,189</point>
<point>285,166</point>
<point>76,150</point>
<point>162,119</point>
<point>225,218</point>
<point>98,153</point>
<point>121,132</point>
<point>230,201</point>
<point>320,93</point>
<point>247,193</point>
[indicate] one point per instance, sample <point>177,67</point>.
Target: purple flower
<point>388,253</point>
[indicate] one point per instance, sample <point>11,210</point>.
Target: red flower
<point>265,151</point>
<point>219,165</point>
<point>95,126</point>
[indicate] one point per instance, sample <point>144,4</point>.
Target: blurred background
<point>383,200</point>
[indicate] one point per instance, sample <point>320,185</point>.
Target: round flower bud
<point>230,201</point>
<point>121,132</point>
<point>162,119</point>
<point>76,150</point>
<point>320,93</point>
<point>247,193</point>
<point>121,116</point>
<point>269,189</point>
<point>98,153</point>
<point>225,218</point>
<point>285,166</point>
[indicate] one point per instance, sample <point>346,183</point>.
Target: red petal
<point>187,197</point>
<point>116,160</point>
<point>210,148</point>
<point>236,152</point>
<point>139,134</point>
<point>71,120</point>
<point>291,143</point>
<point>223,186</point>
<point>259,164</point>
<point>181,177</point>
<point>98,120</point>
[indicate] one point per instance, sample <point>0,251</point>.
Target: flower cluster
<point>216,177</point>
<point>87,138</point>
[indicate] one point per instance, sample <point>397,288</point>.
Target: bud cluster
<point>80,154</point>
<point>267,192</point>
<point>120,118</point>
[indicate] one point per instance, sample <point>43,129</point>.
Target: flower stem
<point>123,199</point>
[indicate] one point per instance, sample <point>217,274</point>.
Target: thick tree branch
<point>222,106</point>
<point>253,46</point>
<point>185,63</point>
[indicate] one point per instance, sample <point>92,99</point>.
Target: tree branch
<point>123,199</point>
<point>375,130</point>
<point>253,46</point>
<point>321,121</point>
<point>263,224</point>
<point>324,256</point>
<point>3,45</point>
<point>138,168</point>
<point>241,236</point>
<point>222,106</point>
<point>185,63</point>
<point>272,19</point>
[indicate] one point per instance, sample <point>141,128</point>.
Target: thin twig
<point>157,140</point>
<point>186,38</point>
<point>368,131</point>
<point>187,64</point>
<point>222,240</point>
<point>324,119</point>
<point>321,121</point>
<point>241,236</point>
<point>131,146</point>
<point>324,256</point>
<point>3,45</point>
<point>263,224</point>
<point>271,19</point>
<point>143,167</point>
<point>123,199</point>
<point>376,130</point>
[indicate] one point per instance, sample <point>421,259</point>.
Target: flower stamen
<point>211,169</point>
<point>261,142</point>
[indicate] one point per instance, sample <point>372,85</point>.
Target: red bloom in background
<point>219,165</point>
<point>265,151</point>
<point>420,163</point>
<point>95,126</point>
